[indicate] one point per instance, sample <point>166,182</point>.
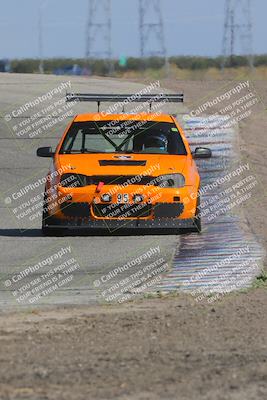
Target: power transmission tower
<point>237,31</point>
<point>151,29</point>
<point>98,32</point>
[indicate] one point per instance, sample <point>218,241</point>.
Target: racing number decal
<point>123,198</point>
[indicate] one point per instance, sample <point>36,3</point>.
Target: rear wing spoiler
<point>124,99</point>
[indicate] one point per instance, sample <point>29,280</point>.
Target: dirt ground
<point>157,349</point>
<point>165,348</point>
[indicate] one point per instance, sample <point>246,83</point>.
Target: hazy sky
<point>191,27</point>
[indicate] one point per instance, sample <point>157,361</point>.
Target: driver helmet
<point>158,141</point>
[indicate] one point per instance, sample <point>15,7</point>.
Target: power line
<point>237,31</point>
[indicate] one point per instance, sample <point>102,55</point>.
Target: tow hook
<point>99,187</point>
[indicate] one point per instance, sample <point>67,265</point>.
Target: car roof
<point>123,117</point>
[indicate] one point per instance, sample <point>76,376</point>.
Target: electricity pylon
<point>98,31</point>
<point>151,29</point>
<point>237,37</point>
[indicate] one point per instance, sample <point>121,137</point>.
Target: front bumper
<point>85,202</point>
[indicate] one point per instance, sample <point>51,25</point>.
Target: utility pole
<point>237,30</point>
<point>40,38</point>
<point>98,30</point>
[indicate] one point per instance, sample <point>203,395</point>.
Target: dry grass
<point>214,74</point>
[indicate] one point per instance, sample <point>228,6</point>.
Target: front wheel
<point>46,220</point>
<point>197,219</point>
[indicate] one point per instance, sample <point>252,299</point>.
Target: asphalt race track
<point>21,241</point>
<point>96,268</point>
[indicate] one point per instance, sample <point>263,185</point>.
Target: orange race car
<point>122,171</point>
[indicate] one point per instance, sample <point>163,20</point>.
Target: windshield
<point>147,137</point>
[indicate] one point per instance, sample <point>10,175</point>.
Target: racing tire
<point>197,219</point>
<point>46,219</point>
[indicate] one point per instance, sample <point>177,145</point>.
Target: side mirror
<point>202,152</point>
<point>45,152</point>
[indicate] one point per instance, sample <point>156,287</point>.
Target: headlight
<point>106,197</point>
<point>171,181</point>
<point>138,198</point>
<point>73,180</point>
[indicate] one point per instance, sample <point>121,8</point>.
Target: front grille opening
<point>78,210</point>
<point>122,211</point>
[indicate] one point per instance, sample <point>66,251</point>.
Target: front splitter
<point>113,225</point>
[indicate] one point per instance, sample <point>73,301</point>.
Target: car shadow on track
<point>38,233</point>
<point>21,233</point>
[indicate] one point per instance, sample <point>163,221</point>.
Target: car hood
<point>117,164</point>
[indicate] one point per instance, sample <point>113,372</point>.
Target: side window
<point>177,144</point>
<point>77,144</point>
